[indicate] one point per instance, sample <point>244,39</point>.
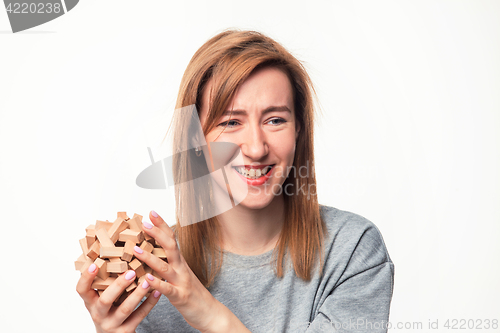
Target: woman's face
<point>263,125</point>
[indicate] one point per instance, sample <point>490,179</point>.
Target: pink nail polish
<point>138,250</point>
<point>154,213</point>
<point>156,294</point>
<point>145,285</point>
<point>150,277</point>
<point>92,268</point>
<point>130,275</point>
<point>147,225</point>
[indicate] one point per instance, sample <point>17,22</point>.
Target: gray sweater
<point>352,295</point>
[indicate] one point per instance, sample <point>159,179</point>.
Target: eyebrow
<point>266,110</point>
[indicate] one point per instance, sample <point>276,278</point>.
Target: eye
<point>229,123</point>
<point>277,121</point>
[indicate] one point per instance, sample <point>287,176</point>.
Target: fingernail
<point>130,275</point>
<point>145,285</point>
<point>150,277</point>
<point>138,249</point>
<point>147,225</point>
<point>154,213</point>
<point>156,294</point>
<point>92,268</point>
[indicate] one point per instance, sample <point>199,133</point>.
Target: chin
<point>256,201</point>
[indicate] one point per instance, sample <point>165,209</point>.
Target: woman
<point>277,260</point>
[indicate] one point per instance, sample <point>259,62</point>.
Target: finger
<point>83,287</point>
<point>160,223</point>
<point>113,291</point>
<point>125,309</point>
<point>165,270</point>
<point>166,241</point>
<point>142,311</point>
<point>164,287</point>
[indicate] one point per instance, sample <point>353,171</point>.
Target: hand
<point>195,303</point>
<point>106,316</point>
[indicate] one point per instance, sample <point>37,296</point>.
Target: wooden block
<point>101,284</point>
<point>104,239</point>
<point>118,226</point>
<point>146,246</point>
<point>93,252</point>
<point>80,261</point>
<point>159,252</point>
<point>86,265</point>
<point>90,231</point>
<point>128,252</point>
<point>132,286</point>
<point>133,235</point>
<point>123,215</point>
<point>117,267</point>
<point>136,265</point>
<point>147,269</point>
<point>110,247</point>
<point>84,246</point>
<point>102,265</point>
<point>111,252</point>
<point>135,223</point>
<point>90,237</point>
<point>98,283</point>
<point>150,239</point>
<point>103,224</point>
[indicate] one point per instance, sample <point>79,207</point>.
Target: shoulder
<point>354,238</point>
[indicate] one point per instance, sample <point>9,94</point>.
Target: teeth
<point>253,173</point>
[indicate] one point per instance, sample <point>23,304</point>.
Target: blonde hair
<point>228,59</point>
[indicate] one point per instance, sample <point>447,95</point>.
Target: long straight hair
<point>228,59</point>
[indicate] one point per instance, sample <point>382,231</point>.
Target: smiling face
<point>261,121</point>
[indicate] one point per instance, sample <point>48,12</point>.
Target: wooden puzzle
<point>110,245</point>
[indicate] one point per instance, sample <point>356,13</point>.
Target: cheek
<point>210,137</point>
<point>284,149</point>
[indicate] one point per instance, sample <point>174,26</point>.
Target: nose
<point>255,145</point>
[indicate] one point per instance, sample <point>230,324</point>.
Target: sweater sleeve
<point>359,299</point>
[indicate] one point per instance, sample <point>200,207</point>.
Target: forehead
<point>265,87</point>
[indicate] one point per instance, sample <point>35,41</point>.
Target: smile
<point>254,175</point>
<point>253,172</point>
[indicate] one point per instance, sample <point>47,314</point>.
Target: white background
<point>408,137</point>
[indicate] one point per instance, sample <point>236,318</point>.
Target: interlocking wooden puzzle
<point>110,245</point>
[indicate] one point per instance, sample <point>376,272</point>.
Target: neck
<point>248,231</point>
